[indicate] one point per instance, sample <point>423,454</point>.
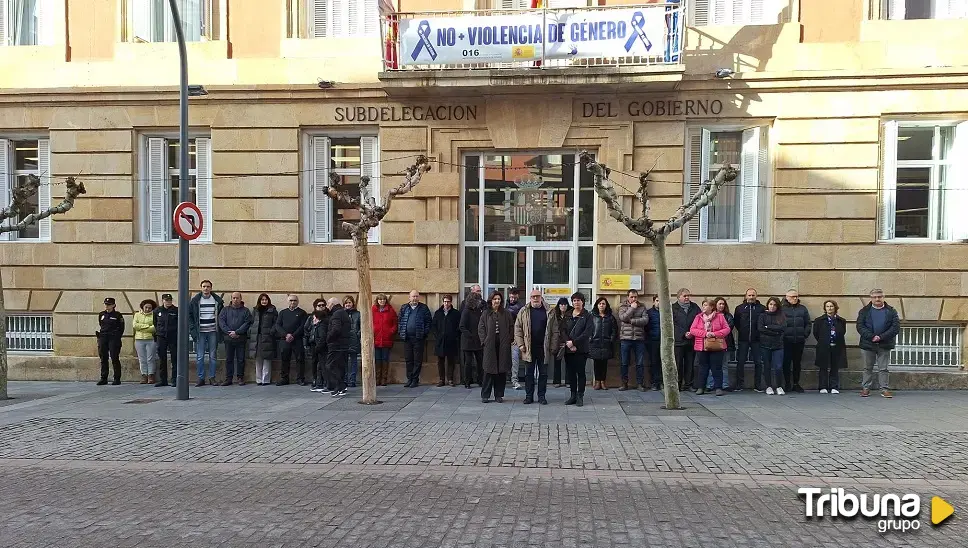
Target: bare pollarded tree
<point>371,213</point>
<point>20,204</point>
<point>657,233</point>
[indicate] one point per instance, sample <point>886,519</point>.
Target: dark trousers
<point>556,371</point>
<point>710,361</point>
<point>749,351</point>
<point>575,372</point>
<point>317,361</point>
<point>167,345</point>
<point>413,353</point>
<point>109,346</point>
<point>537,373</point>
<point>792,356</point>
<point>290,351</point>
<point>336,369</point>
<point>494,381</point>
<point>600,369</point>
<point>472,367</point>
<point>829,378</point>
<point>235,358</point>
<point>685,356</point>
<point>655,362</point>
<point>627,349</point>
<point>445,368</point>
<point>773,367</point>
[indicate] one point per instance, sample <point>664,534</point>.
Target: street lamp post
<point>183,196</point>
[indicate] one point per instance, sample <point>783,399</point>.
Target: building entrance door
<point>549,269</point>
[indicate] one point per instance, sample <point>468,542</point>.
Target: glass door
<point>504,270</point>
<point>551,270</point>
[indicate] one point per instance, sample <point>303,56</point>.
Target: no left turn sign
<point>188,220</point>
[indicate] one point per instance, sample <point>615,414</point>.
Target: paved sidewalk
<point>281,466</point>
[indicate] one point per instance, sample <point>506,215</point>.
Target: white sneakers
<point>769,390</point>
<point>823,390</point>
<point>780,392</point>
<point>834,391</point>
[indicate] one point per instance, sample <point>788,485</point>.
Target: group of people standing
<point>513,342</point>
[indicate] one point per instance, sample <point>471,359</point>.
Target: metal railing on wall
<point>928,346</point>
<point>30,333</point>
<point>673,14</point>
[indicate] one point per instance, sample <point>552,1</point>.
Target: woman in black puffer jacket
<point>601,347</point>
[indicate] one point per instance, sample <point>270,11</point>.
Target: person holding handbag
<point>709,331</point>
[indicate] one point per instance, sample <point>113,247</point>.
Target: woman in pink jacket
<point>708,331</point>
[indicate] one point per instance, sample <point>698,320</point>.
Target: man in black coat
<point>166,335</point>
<point>289,330</point>
<point>337,346</point>
<point>745,317</point>
<point>799,324</point>
<point>446,329</point>
<point>878,326</point>
<point>684,311</point>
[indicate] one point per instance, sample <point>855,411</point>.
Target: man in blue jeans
<point>633,318</point>
<point>745,318</point>
<point>203,311</point>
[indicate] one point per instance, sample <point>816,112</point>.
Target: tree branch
<point>20,203</point>
<point>707,193</point>
<point>341,198</point>
<point>606,191</point>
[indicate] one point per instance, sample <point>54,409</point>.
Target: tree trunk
<point>3,343</point>
<point>670,376</point>
<point>363,302</point>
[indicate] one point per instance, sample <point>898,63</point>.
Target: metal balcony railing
<point>928,346</point>
<point>643,35</point>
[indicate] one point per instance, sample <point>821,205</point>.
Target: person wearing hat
<point>166,334</point>
<point>110,331</point>
<point>530,328</point>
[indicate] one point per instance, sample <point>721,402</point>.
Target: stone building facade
<point>848,125</point>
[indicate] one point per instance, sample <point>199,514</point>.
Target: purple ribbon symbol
<point>423,31</point>
<point>638,26</point>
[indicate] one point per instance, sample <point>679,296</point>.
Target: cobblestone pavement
<point>275,467</point>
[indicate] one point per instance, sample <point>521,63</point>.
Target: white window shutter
<point>956,186</point>
<point>895,9</point>
<point>749,185</point>
<point>567,3</point>
<point>157,164</point>
<point>321,229</point>
<point>699,13</point>
<point>367,18</point>
<point>697,161</point>
<point>3,23</point>
<point>203,185</point>
<point>765,168</point>
<point>515,4</point>
<point>5,178</point>
<point>191,13</point>
<point>43,193</point>
<point>721,12</point>
<point>951,9</point>
<point>141,20</point>
<point>888,181</point>
<point>741,11</point>
<point>320,15</point>
<point>370,165</point>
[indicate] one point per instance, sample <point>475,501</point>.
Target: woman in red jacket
<point>709,331</point>
<point>384,330</point>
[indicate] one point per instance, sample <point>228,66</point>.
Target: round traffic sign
<point>188,220</point>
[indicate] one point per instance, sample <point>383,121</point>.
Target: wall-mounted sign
<point>651,108</point>
<point>619,282</point>
<point>401,113</point>
<point>639,32</point>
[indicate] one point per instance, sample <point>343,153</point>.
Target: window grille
<point>928,346</point>
<point>30,333</point>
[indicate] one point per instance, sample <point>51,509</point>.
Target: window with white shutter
<point>151,20</point>
<point>160,184</point>
<point>739,212</point>
<point>349,158</point>
<point>20,159</point>
<point>924,9</point>
<point>22,23</point>
<point>923,197</point>
<point>738,12</point>
<point>512,4</point>
<point>343,18</point>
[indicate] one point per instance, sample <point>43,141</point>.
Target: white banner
<point>506,38</point>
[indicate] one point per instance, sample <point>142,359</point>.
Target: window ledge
<point>921,241</point>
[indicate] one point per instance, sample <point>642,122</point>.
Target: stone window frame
<point>755,178</point>
<point>8,178</point>
<point>317,208</point>
<point>952,200</point>
<point>155,218</point>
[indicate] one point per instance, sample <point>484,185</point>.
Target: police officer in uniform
<point>111,324</point>
<point>166,335</point>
